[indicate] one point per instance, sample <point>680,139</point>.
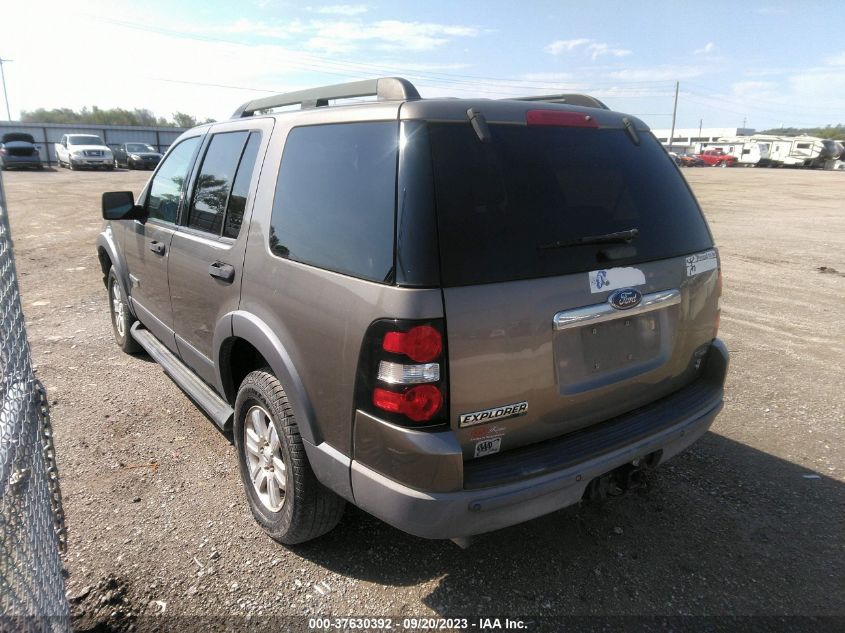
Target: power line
<point>315,63</point>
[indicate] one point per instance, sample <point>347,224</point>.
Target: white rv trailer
<point>747,153</point>
<point>792,151</point>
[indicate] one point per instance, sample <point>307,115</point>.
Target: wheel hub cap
<point>263,450</point>
<point>117,309</point>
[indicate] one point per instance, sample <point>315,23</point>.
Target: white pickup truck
<point>83,150</point>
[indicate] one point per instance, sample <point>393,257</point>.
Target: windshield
<point>139,147</point>
<point>84,140</point>
<point>498,203</point>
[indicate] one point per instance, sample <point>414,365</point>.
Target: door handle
<point>157,247</point>
<point>221,270</point>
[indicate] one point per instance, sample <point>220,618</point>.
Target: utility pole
<point>5,94</point>
<point>674,113</point>
<point>700,122</point>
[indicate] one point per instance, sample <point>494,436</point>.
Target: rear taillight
<point>421,343</point>
<point>402,372</point>
<point>419,403</point>
<point>560,118</point>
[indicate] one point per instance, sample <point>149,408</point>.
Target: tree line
<point>109,116</point>
<point>835,132</point>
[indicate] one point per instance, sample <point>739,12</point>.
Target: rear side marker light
<point>419,403</point>
<point>421,343</point>
<point>560,118</point>
<point>398,374</point>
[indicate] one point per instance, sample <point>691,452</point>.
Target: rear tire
<point>284,495</point>
<point>121,318</point>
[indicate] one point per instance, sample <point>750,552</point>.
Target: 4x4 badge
<point>497,413</point>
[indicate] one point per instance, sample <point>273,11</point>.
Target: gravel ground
<point>747,522</point>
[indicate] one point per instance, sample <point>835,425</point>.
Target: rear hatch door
<point>580,279</point>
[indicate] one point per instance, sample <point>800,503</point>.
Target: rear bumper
<point>467,512</point>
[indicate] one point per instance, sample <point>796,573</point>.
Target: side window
<point>335,198</point>
<point>214,182</point>
<point>166,187</point>
<point>240,190</point>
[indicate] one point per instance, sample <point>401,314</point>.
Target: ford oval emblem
<point>625,299</point>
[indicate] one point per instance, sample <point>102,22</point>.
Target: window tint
<point>334,204</point>
<point>499,202</point>
<point>240,190</point>
<point>214,182</point>
<point>166,187</point>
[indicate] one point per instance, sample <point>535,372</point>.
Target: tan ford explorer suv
<point>457,315</point>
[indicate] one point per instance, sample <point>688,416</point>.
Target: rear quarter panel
<point>319,316</point>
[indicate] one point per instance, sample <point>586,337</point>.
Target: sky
<point>760,63</point>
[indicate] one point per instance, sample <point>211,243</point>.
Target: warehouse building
<point>690,138</point>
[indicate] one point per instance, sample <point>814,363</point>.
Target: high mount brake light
<point>560,118</point>
<point>419,403</point>
<point>421,343</point>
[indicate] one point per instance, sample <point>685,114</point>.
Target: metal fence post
<point>32,589</point>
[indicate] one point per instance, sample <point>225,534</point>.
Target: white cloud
<point>244,26</point>
<point>341,9</point>
<point>342,37</point>
<point>547,77</point>
<point>659,73</point>
<point>836,60</point>
<point>593,48</point>
<point>708,48</point>
<point>564,46</point>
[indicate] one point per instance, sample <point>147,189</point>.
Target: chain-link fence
<point>32,592</point>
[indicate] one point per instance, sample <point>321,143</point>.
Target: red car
<point>717,158</point>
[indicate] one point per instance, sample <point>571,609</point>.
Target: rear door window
<point>335,198</point>
<point>211,192</point>
<point>501,205</point>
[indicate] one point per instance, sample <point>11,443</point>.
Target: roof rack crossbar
<point>384,88</point>
<point>569,99</point>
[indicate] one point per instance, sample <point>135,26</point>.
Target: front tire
<point>284,495</point>
<point>121,318</point>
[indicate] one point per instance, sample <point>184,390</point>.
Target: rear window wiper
<point>620,237</point>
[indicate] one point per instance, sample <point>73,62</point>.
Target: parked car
<point>448,312</point>
<point>717,158</point>
<point>75,151</point>
<point>135,155</point>
<point>18,149</point>
<point>691,160</point>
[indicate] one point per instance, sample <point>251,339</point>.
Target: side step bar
<point>214,406</point>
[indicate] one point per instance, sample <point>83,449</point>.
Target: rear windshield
<point>84,140</point>
<point>501,206</point>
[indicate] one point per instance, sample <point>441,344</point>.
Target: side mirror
<point>120,205</point>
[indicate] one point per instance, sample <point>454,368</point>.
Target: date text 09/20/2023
<point>416,624</point>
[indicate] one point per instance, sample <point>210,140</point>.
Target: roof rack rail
<point>570,99</point>
<point>385,88</point>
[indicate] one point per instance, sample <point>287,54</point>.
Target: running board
<point>204,396</point>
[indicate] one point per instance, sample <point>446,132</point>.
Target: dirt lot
<point>747,522</point>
